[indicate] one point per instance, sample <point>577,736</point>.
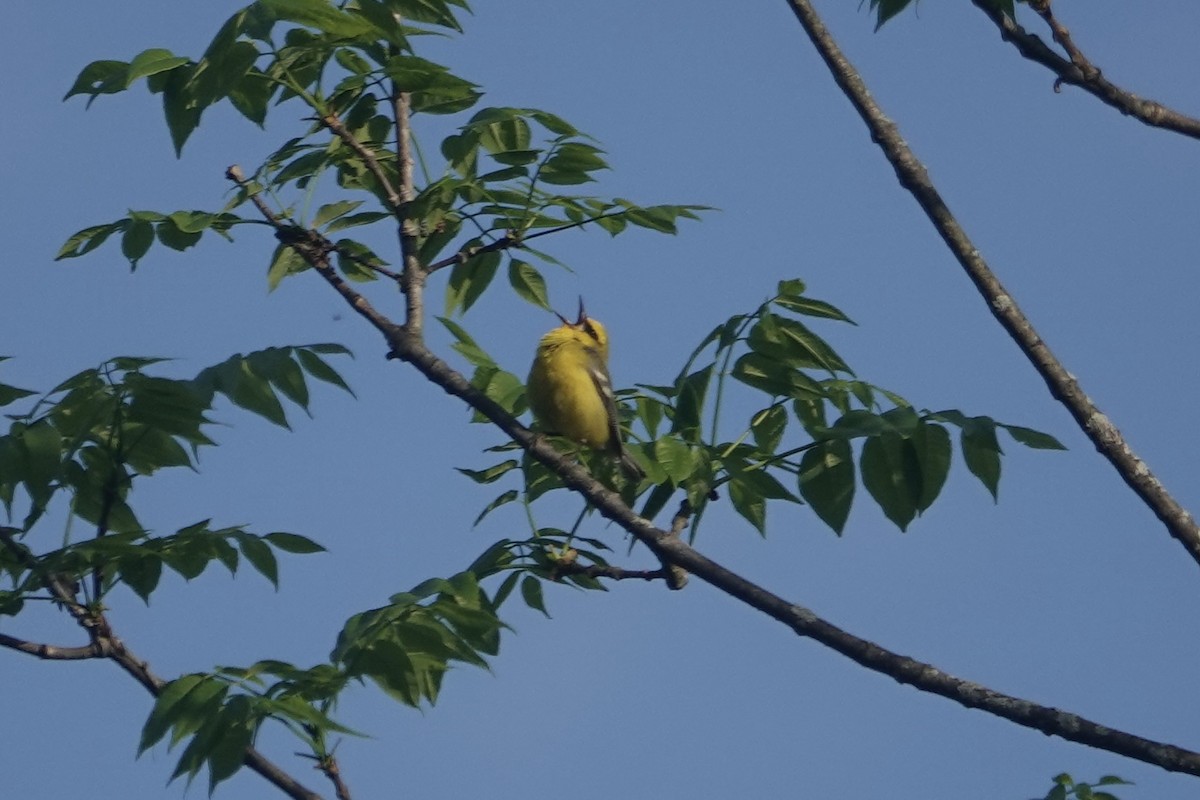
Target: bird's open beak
<point>577,323</point>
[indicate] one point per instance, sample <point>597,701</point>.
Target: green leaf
<point>292,543</point>
<point>892,476</point>
<point>751,505</point>
<point>768,426</point>
<point>252,95</point>
<point>314,366</point>
<point>166,710</point>
<point>982,451</point>
<point>354,220</point>
<point>791,342</point>
<point>676,459</point>
<point>236,380</point>
<point>10,394</point>
<point>775,378</point>
<point>141,575</point>
<point>228,753</point>
<point>331,211</point>
<point>100,77</point>
<point>466,345</point>
<point>812,308</point>
<point>221,70</point>
<point>503,499</point>
<point>321,15</point>
<point>260,556</point>
<point>285,263</point>
<point>42,446</point>
<point>469,280</point>
<point>1035,439</point>
<point>689,409</point>
<point>491,474</point>
<point>192,221</point>
<point>136,241</point>
<point>180,108</point>
<point>152,62</point>
<point>531,593</point>
<point>170,234</point>
<point>88,239</point>
<point>528,283</point>
<point>276,365</point>
<point>859,422</point>
<point>931,443</point>
<point>570,163</point>
<point>826,481</point>
<point>886,9</point>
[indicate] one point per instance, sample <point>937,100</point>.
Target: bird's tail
<point>629,466</point>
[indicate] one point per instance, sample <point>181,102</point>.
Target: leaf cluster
<point>1066,788</point>
<point>88,439</point>
<point>404,647</point>
<point>501,184</point>
<point>886,9</point>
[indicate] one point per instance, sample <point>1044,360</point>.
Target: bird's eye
<point>590,330</point>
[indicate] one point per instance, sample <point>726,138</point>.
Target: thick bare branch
<point>414,274</point>
<point>1062,384</point>
<point>1077,70</point>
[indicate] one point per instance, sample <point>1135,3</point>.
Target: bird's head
<point>585,330</point>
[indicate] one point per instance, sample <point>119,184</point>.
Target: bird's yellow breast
<point>562,393</point>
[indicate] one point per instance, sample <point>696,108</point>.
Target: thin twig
<point>394,198</point>
<point>329,767</point>
<point>1063,37</point>
<point>670,548</point>
<point>467,253</point>
<point>50,652</point>
<point>609,571</point>
<point>1079,71</point>
<point>1062,384</point>
<point>365,264</point>
<point>511,240</point>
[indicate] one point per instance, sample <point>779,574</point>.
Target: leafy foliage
<point>1065,788</point>
<point>404,647</point>
<point>886,9</point>
<point>501,185</point>
<point>89,438</point>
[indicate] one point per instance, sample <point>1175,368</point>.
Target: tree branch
<point>1062,384</point>
<point>1079,71</point>
<point>612,573</point>
<point>412,277</point>
<point>395,200</point>
<point>329,767</point>
<point>50,652</point>
<point>671,549</point>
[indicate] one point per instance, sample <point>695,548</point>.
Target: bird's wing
<point>603,383</point>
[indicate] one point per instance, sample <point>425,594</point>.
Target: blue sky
<point>1068,592</point>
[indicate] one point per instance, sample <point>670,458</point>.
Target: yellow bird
<point>570,390</point>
